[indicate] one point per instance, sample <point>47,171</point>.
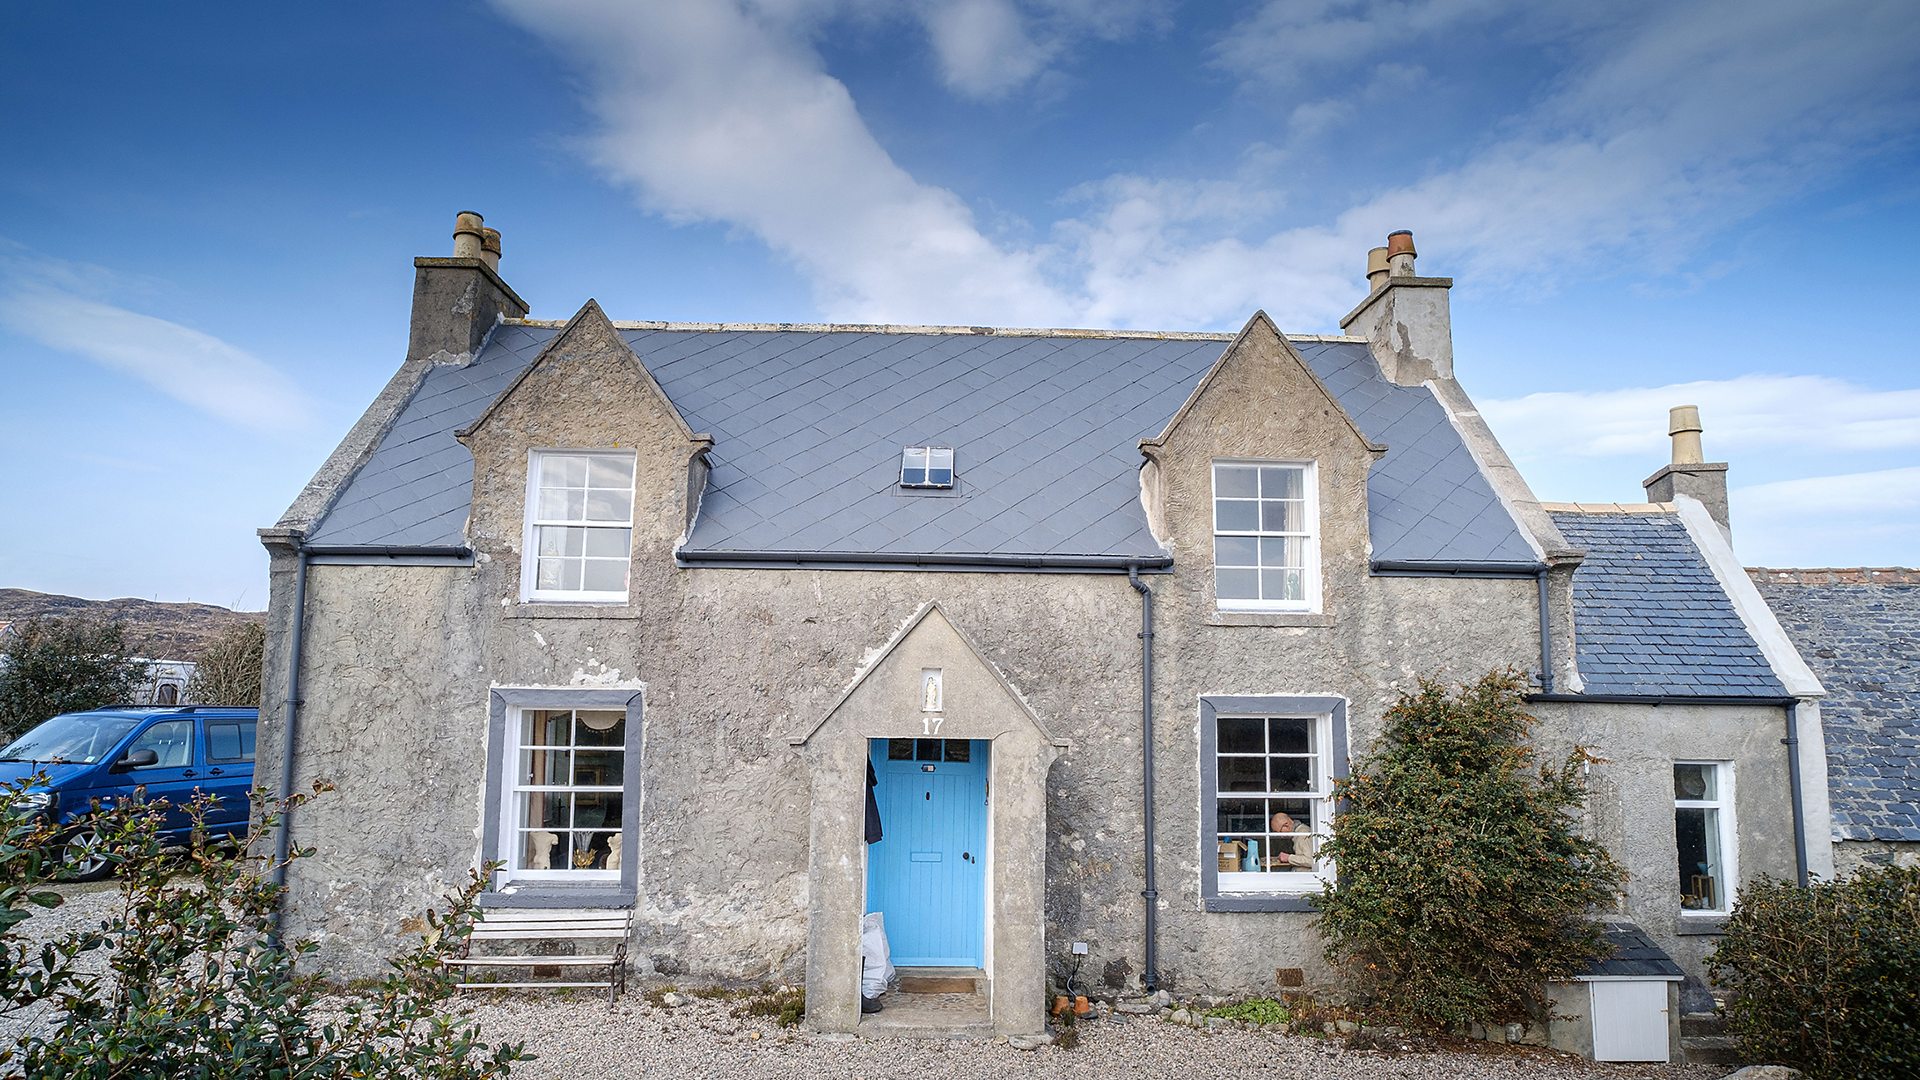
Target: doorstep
<point>933,1003</point>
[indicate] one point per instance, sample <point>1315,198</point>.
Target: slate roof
<point>808,427</point>
<point>1860,632</point>
<point>1634,955</point>
<point>1649,616</point>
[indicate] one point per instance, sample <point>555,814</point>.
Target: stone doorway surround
<point>890,699</point>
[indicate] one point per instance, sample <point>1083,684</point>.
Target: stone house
<point>646,611</point>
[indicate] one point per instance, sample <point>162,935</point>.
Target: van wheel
<point>81,863</point>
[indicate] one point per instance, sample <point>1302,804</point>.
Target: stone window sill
<point>1269,618</point>
<point>543,895</point>
<point>1258,902</point>
<point>1693,925</point>
<point>538,610</point>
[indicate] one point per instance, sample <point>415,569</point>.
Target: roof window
<point>926,467</point>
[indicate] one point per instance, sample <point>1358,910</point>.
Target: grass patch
<point>786,1006</point>
<point>1253,1011</point>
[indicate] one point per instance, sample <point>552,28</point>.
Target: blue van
<point>104,754</point>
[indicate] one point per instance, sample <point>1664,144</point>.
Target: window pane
<point>223,743</point>
<point>171,741</point>
<point>959,750</point>
<point>899,749</point>
<point>544,768</point>
<point>546,728</point>
<point>596,809</point>
<point>1236,515</point>
<point>552,540</point>
<point>940,458</point>
<point>1282,585</point>
<point>605,575</point>
<point>1290,774</point>
<point>1702,880</point>
<point>1241,735</point>
<point>1290,735</point>
<point>609,506</point>
<point>543,849</point>
<point>913,476</point>
<point>1243,774</point>
<point>607,543</point>
<point>1234,481</point>
<point>1285,551</point>
<point>544,809</point>
<point>942,477</point>
<point>596,768</point>
<point>563,470</point>
<point>610,472</point>
<point>601,729</point>
<point>1241,816</point>
<point>914,457</point>
<point>1302,811</point>
<point>1280,482</point>
<point>1283,516</point>
<point>1696,782</point>
<point>1237,584</point>
<point>1235,551</point>
<point>926,749</point>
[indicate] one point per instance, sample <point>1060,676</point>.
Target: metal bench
<point>521,930</point>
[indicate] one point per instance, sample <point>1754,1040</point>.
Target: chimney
<point>457,301</point>
<point>1405,318</point>
<point>1689,474</point>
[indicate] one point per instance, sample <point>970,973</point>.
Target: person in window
<point>1301,855</point>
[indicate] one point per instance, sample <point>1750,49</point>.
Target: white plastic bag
<point>876,960</point>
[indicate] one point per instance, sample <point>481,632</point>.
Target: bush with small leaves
<point>190,979</point>
<point>1826,977</point>
<point>1464,883</point>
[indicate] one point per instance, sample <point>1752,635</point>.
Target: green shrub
<point>1253,1011</point>
<point>1464,884</point>
<point>183,977</point>
<point>1827,978</point>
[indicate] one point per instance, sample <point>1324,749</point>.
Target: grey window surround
<point>560,894</point>
<point>1211,707</point>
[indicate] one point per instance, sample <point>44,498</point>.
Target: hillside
<point>155,630</point>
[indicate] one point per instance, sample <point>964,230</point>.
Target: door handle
<point>967,855</point>
<point>188,772</point>
<point>216,772</point>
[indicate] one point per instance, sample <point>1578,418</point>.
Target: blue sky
<point>207,216</point>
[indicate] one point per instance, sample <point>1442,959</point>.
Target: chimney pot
<point>1683,424</point>
<point>1377,268</point>
<point>1400,253</point>
<point>468,235</point>
<point>490,248</point>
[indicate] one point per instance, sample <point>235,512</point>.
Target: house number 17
<point>930,725</point>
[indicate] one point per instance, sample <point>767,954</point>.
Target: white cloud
<point>1752,412</point>
<point>1852,519</point>
<point>192,367</point>
<point>983,46</point>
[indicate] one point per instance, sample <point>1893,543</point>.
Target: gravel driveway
<point>577,1036</point>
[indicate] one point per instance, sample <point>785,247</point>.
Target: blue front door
<point>928,872</point>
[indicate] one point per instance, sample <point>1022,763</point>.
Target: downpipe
<point>1792,743</point>
<point>1546,635</point>
<point>290,712</point>
<point>1150,973</point>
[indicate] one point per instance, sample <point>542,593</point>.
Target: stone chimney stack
<point>1405,318</point>
<point>1689,474</point>
<point>457,301</point>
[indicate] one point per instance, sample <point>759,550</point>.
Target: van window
<point>171,741</point>
<point>229,741</point>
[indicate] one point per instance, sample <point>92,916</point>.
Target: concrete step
<point>929,1016</point>
<point>942,980</point>
<point>1702,1023</point>
<point>1710,1050</point>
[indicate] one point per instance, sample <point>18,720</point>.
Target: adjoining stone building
<point>1859,629</point>
<point>646,611</point>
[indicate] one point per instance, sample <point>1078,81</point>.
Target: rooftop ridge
<point>1836,575</point>
<point>1607,508</point>
<point>903,328</point>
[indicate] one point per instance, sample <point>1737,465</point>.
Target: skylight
<point>926,467</point>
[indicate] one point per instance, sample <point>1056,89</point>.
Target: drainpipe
<point>1546,636</point>
<point>283,840</point>
<point>1150,975</point>
<point>1792,743</point>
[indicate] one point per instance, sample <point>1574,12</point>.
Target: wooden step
<point>942,980</point>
